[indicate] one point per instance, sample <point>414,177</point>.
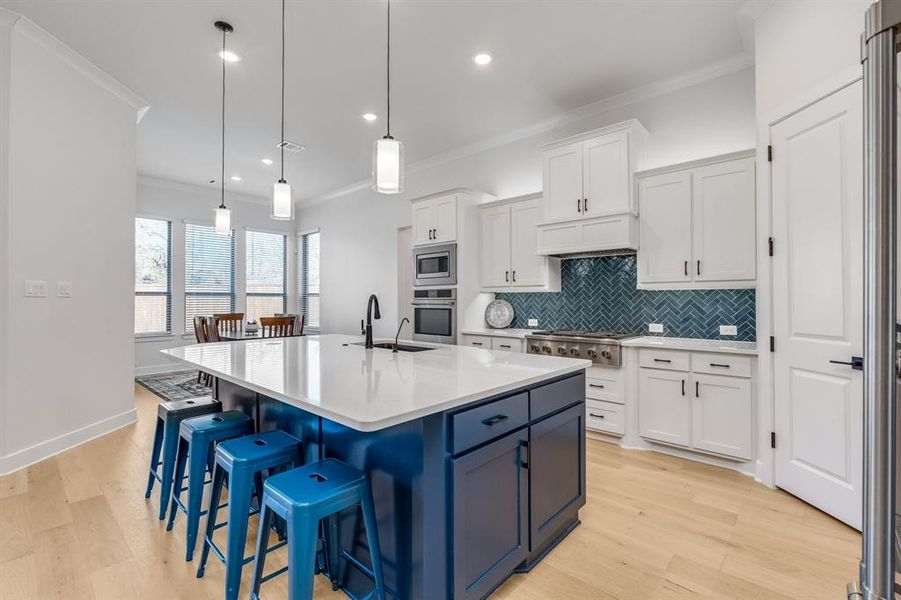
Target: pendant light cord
<point>222,174</point>
<point>388,71</point>
<point>282,144</point>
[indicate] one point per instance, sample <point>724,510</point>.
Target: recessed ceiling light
<point>481,59</point>
<point>229,56</point>
<point>236,178</point>
<point>370,116</point>
<point>267,161</point>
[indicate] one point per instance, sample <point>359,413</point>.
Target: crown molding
<point>192,188</point>
<point>712,71</point>
<point>75,60</point>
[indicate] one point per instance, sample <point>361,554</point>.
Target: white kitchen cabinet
<point>605,416</point>
<point>664,409</point>
<point>697,224</point>
<point>509,258</point>
<point>590,175</point>
<point>435,220</point>
<point>507,344</point>
<point>476,341</point>
<point>721,415</point>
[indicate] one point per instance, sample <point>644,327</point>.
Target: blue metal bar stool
<point>303,497</point>
<point>199,437</point>
<point>169,416</point>
<point>242,461</point>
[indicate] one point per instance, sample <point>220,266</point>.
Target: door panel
<point>445,219</point>
<point>725,216</point>
<point>423,222</point>
<point>664,409</point>
<point>563,182</point>
<point>664,251</point>
<point>529,267</point>
<point>607,177</point>
<point>818,302</point>
<point>721,415</point>
<point>495,251</point>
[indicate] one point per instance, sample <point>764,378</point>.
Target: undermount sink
<point>400,347</point>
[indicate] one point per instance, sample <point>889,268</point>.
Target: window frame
<point>302,285</point>
<point>284,294</point>
<point>232,293</point>
<point>168,333</point>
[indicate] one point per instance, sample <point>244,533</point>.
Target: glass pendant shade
<point>282,207</point>
<point>223,223</point>
<point>388,166</point>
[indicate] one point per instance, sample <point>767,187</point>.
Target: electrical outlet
<point>655,327</point>
<point>63,289</point>
<point>728,330</point>
<point>533,322</point>
<point>35,289</point>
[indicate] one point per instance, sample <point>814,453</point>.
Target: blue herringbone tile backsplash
<point>600,293</point>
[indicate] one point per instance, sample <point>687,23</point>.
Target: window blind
<point>266,274</point>
<point>309,279</point>
<point>209,272</point>
<point>153,276</point>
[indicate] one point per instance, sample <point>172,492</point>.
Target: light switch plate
<point>533,322</point>
<point>63,289</point>
<point>728,330</point>
<point>655,327</point>
<point>35,288</point>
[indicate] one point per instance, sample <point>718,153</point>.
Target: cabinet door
<point>606,175</point>
<point>721,415</point>
<point>724,210</point>
<point>664,409</point>
<point>528,268</point>
<point>563,182</point>
<point>491,512</point>
<point>664,251</point>
<point>423,222</point>
<point>445,224</point>
<point>495,250</point>
<point>556,472</point>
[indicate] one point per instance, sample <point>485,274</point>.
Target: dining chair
<point>200,336</point>
<point>276,326</point>
<point>229,321</point>
<point>212,329</point>
<point>298,322</point>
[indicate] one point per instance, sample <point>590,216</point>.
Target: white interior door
<point>817,178</point>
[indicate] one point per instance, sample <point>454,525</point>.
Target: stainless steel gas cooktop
<point>600,347</point>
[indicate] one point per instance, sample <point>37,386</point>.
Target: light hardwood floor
<point>655,527</point>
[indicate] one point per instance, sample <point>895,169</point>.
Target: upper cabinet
<point>435,220</point>
<point>697,224</point>
<point>508,255</point>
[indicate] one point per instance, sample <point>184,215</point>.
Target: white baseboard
<point>44,450</point>
<point>163,368</point>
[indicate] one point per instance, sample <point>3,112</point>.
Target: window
<point>309,279</point>
<point>153,276</point>
<point>267,281</point>
<point>209,272</point>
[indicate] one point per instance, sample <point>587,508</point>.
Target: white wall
<point>178,202</point>
<point>67,206</point>
<point>359,230</point>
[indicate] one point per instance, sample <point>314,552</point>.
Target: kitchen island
<point>476,458</point>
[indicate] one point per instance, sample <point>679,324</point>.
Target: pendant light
<point>223,220</point>
<point>282,201</point>
<point>388,153</point>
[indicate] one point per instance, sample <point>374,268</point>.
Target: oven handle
<point>433,303</point>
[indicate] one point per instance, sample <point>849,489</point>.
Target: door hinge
<point>769,154</point>
<point>770,242</point>
<point>772,344</point>
<point>772,439</point>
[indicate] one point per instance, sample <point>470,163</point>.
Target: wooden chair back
<point>200,329</point>
<point>212,330</point>
<point>298,322</point>
<point>229,321</point>
<point>277,326</point>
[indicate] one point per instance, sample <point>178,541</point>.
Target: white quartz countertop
<point>369,390</point>
<point>508,332</point>
<point>694,345</point>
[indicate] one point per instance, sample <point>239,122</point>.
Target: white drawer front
<point>507,344</point>
<point>605,416</point>
<point>721,364</point>
<point>605,384</point>
<point>477,341</point>
<point>672,360</point>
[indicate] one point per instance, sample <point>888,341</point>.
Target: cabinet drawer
<point>552,397</point>
<point>605,416</point>
<point>605,384</point>
<point>663,359</point>
<point>721,364</point>
<point>507,344</point>
<point>482,423</point>
<point>477,341</point>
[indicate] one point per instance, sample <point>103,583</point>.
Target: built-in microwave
<point>435,265</point>
<point>435,315</point>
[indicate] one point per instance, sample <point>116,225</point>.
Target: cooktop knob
<point>592,353</point>
<point>534,347</point>
<point>574,351</point>
<point>561,350</point>
<point>546,348</point>
<point>606,354</point>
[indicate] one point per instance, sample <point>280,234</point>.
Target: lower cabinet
<point>491,514</point>
<point>664,409</point>
<point>721,414</point>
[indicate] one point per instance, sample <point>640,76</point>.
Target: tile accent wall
<point>600,293</point>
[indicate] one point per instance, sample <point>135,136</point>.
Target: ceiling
<point>550,56</point>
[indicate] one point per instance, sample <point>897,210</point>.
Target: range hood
<point>597,236</point>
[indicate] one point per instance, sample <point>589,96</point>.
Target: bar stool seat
<point>169,416</point>
<point>303,497</point>
<point>197,442</point>
<point>241,461</point>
